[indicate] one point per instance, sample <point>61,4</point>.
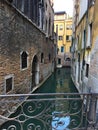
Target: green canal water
<point>59,82</point>
<point>31,115</point>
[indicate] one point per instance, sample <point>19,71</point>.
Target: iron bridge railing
<point>59,111</point>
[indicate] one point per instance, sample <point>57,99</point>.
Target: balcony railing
<point>60,111</point>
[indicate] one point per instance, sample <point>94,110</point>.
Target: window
<point>42,58</point>
<point>24,56</point>
<point>89,39</point>
<point>68,38</point>
<point>60,38</point>
<point>61,27</point>
<point>81,75</point>
<point>49,57</point>
<point>57,29</point>
<point>62,49</point>
<point>78,67</point>
<point>57,50</point>
<point>84,37</point>
<point>46,6</point>
<point>68,59</point>
<point>46,26</point>
<point>68,27</point>
<point>8,83</point>
<point>87,70</point>
<point>59,61</point>
<point>79,57</point>
<point>90,33</point>
<point>49,27</point>
<point>91,2</point>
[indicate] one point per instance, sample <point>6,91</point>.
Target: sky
<point>64,5</point>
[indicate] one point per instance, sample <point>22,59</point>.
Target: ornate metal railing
<point>60,111</point>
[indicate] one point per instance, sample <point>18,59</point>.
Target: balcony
<point>48,111</point>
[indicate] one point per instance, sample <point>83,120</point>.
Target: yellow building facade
<point>63,28</point>
<point>84,47</point>
<point>84,44</point>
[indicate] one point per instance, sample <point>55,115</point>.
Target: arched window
<point>68,59</point>
<point>24,56</point>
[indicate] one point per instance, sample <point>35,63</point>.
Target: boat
<point>59,66</point>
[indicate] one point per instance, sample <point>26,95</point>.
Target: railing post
<point>92,112</point>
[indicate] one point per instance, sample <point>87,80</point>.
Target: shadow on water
<point>58,114</point>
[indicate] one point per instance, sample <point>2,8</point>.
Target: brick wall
<point>18,34</point>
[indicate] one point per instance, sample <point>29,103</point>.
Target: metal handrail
<point>43,94</point>
<point>41,107</point>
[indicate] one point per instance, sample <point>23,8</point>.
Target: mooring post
<point>92,112</point>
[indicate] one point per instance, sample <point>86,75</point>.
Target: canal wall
<point>19,35</point>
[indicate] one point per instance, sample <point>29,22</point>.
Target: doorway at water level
<point>35,72</point>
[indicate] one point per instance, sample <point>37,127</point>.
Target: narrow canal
<point>39,113</point>
<point>59,82</point>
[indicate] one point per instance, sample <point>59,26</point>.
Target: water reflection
<point>58,82</point>
<point>35,113</point>
<point>59,121</point>
<point>61,82</point>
